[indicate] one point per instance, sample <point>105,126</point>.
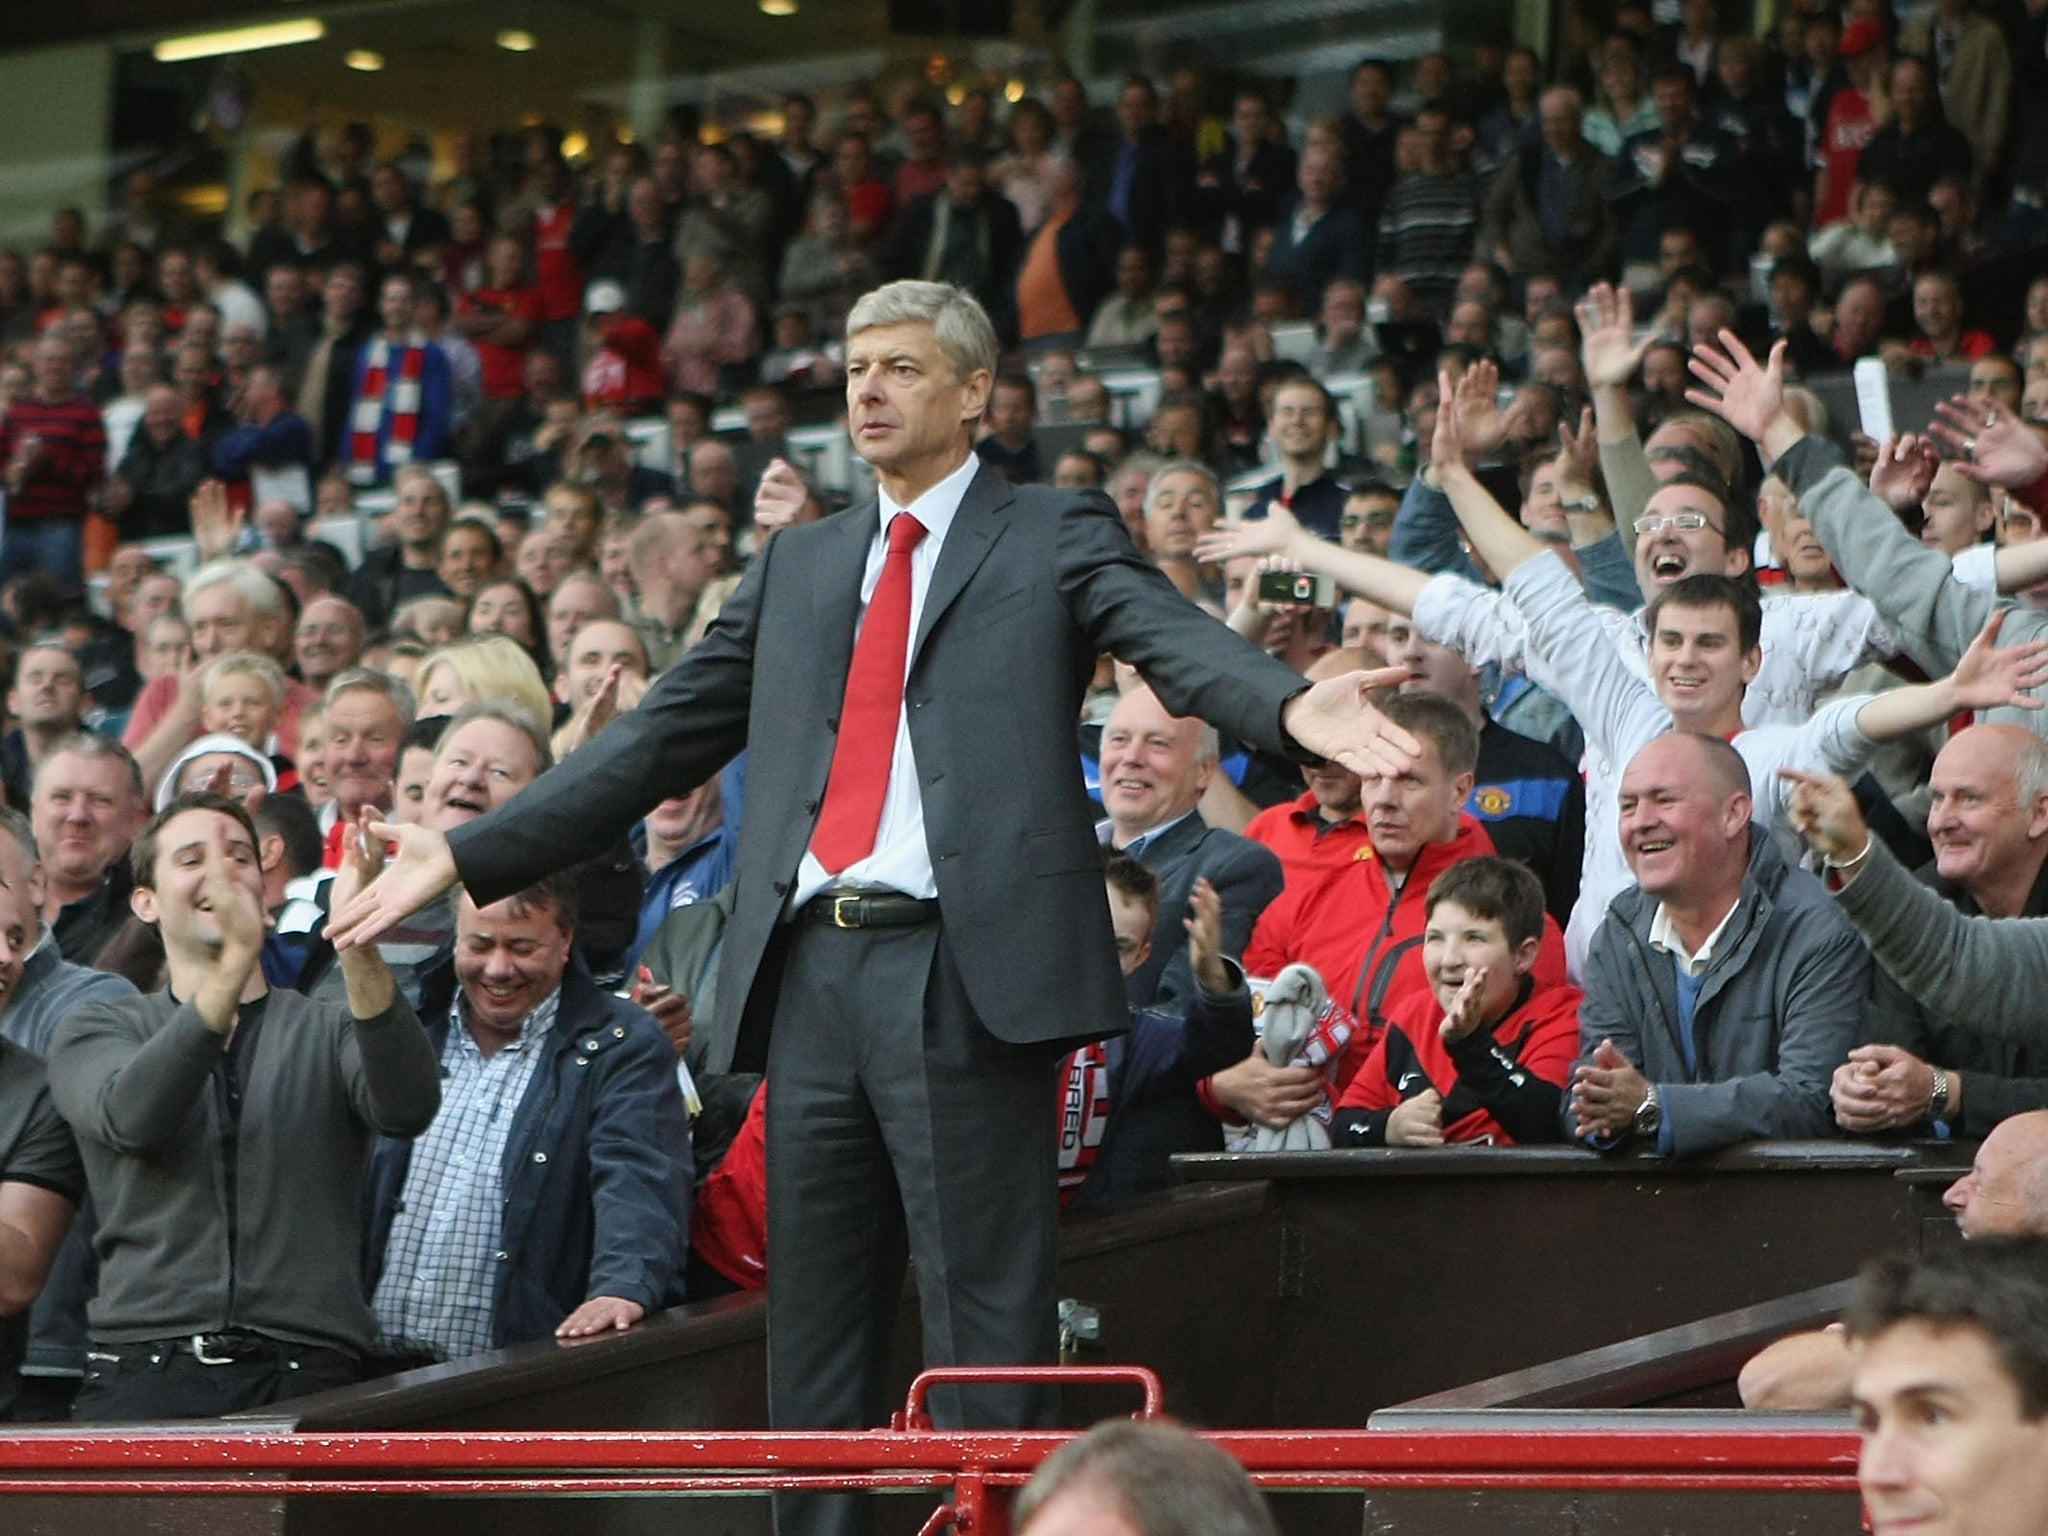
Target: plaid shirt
<point>439,1284</point>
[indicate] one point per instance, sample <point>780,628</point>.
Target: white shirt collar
<point>937,507</point>
<point>1664,936</point>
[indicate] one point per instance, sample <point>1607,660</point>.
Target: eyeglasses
<point>1684,522</point>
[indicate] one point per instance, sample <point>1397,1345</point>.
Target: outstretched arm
<point>1278,533</point>
<point>1987,678</point>
<point>1936,953</point>
<point>1934,616</point>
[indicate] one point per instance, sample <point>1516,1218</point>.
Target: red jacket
<point>1365,944</point>
<point>1308,848</point>
<point>729,1224</point>
<point>1501,1085</point>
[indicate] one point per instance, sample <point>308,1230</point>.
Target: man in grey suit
<point>919,913</point>
<point>1154,769</point>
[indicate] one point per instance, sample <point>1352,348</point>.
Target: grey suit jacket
<point>1031,585</point>
<point>1247,877</point>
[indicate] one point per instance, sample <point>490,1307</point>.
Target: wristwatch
<point>1937,1101</point>
<point>1582,504</point>
<point>1649,1114</point>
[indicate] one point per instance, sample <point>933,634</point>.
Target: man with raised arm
<point>1705,650</point>
<point>1993,971</point>
<point>1934,616</point>
<point>920,924</point>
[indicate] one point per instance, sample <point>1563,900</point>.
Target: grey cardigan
<point>1991,970</point>
<point>134,1079</point>
<point>1912,585</point>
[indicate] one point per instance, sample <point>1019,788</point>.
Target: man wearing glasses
<point>1367,522</point>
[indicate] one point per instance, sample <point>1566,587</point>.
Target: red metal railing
<point>979,1467</point>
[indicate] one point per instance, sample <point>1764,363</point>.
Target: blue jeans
<point>52,545</point>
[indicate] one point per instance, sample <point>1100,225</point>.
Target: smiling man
<point>1988,821</point>
<point>551,1194</point>
<point>920,914</point>
<point>1725,988</point>
<point>1951,1391</point>
<point>208,1306</point>
<point>1154,769</point>
<point>1300,426</point>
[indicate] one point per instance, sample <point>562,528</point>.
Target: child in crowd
<point>1483,1057</point>
<point>242,694</point>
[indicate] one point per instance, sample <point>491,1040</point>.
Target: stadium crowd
<point>1511,376</point>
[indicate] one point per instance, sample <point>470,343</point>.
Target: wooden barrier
<point>1400,1273</point>
<point>1294,1289</point>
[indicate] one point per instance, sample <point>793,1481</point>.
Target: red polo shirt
<point>1308,847</point>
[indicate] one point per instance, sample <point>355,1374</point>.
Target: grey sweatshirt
<point>178,1255</point>
<point>1991,970</point>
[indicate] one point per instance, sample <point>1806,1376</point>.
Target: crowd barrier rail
<point>974,1472</point>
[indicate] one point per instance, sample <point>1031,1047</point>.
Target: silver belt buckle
<point>199,1352</point>
<point>839,908</point>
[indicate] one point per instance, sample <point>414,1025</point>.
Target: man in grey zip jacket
<point>1721,992</point>
<point>224,1128</point>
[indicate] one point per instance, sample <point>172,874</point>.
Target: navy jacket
<point>1153,1111</point>
<point>597,1169</point>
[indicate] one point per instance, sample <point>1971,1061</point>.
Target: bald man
<point>671,559</point>
<point>2005,1194</point>
<point>1936,1067</point>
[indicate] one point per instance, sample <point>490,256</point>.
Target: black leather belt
<point>872,909</point>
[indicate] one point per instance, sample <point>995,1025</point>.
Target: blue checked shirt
<point>439,1283</point>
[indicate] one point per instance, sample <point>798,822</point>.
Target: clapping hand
<point>362,856</point>
<point>1606,1093</point>
<point>780,498</point>
<point>1204,924</point>
<point>1464,1015</point>
<point>422,869</point>
<point>616,692</point>
<point>237,909</point>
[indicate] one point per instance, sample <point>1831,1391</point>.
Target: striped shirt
<point>439,1284</point>
<point>1427,229</point>
<point>71,462</point>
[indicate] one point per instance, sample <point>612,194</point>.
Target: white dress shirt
<point>900,860</point>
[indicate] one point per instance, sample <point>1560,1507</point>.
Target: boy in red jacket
<point>1484,1055</point>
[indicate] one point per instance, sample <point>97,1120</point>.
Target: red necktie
<point>867,717</point>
